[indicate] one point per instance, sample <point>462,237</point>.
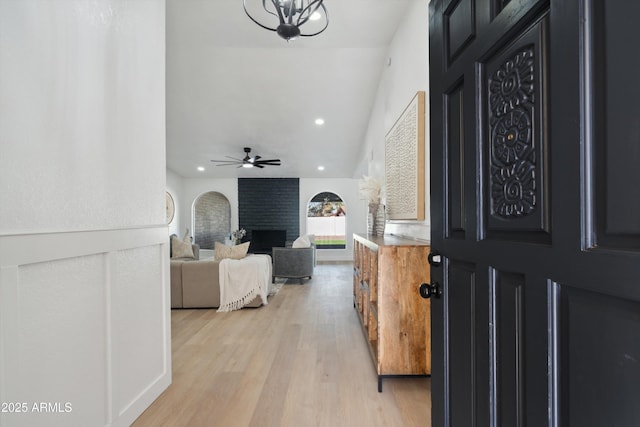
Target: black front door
<point>535,171</point>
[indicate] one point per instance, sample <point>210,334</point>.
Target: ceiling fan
<point>247,161</point>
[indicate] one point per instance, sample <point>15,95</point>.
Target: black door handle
<point>428,290</point>
<point>434,258</point>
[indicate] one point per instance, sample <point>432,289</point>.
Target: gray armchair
<point>293,263</point>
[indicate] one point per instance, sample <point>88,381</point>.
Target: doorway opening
<point>327,219</point>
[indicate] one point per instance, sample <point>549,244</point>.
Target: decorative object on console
<point>291,14</point>
<point>222,251</point>
<point>378,219</point>
<point>371,190</point>
<point>405,163</point>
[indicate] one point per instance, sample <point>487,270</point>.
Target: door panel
<point>508,292</point>
<point>498,5</point>
<point>461,322</point>
<point>612,78</point>
<point>454,102</point>
<point>459,26</point>
<point>599,362</point>
<point>513,92</point>
<point>535,198</point>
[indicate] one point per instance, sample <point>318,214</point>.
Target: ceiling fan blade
<point>253,161</point>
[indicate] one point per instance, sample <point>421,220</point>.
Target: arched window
<point>326,218</point>
<point>211,219</point>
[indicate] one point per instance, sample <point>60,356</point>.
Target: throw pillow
<point>301,242</point>
<point>231,252</point>
<point>181,248</point>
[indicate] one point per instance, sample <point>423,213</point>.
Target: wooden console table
<point>396,321</point>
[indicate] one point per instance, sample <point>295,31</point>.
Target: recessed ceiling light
<point>319,121</point>
<point>201,169</point>
<point>315,16</point>
<point>320,168</point>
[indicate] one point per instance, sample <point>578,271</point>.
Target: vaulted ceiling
<point>232,84</point>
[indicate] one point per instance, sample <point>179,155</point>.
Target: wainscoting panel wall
<point>72,307</point>
<point>269,204</point>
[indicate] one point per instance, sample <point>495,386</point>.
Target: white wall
<point>188,190</point>
<point>84,290</point>
<point>175,186</point>
<point>407,74</point>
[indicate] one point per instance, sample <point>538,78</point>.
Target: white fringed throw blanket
<point>241,280</point>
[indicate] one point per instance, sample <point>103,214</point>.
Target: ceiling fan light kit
<point>247,161</point>
<point>291,15</point>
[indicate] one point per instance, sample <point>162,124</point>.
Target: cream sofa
<point>196,284</point>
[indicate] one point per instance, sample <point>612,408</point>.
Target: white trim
<point>109,340</point>
<point>21,249</point>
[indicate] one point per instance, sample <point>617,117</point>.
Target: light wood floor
<point>301,360</point>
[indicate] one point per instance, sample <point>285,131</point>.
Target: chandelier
<point>292,15</point>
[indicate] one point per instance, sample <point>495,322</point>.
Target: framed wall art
<point>405,163</point>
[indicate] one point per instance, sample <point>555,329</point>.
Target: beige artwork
<point>404,163</point>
